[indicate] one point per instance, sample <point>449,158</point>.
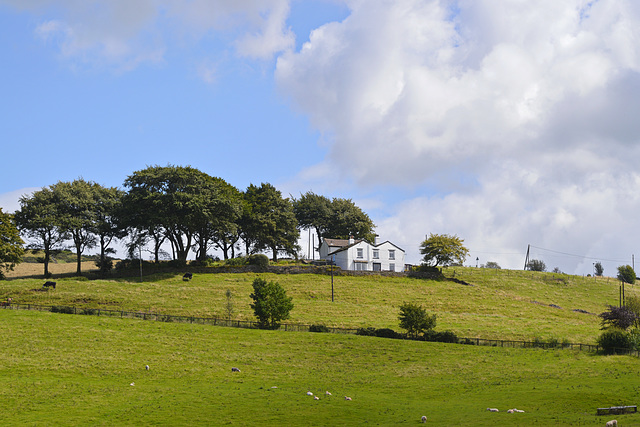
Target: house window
<point>360,253</point>
<point>377,266</point>
<point>392,267</point>
<point>392,254</point>
<point>361,266</point>
<point>376,254</point>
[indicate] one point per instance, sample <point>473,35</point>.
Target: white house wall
<point>347,259</point>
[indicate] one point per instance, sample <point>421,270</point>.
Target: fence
<point>295,327</point>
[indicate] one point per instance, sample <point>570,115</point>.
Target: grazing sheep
<point>492,410</point>
<point>146,367</point>
<point>510,411</point>
<point>187,276</point>
<point>316,398</point>
<point>49,284</point>
<point>612,423</point>
<point>517,410</point>
<point>327,393</point>
<point>347,398</point>
<point>309,393</point>
<point>132,384</point>
<point>424,418</point>
<point>235,370</point>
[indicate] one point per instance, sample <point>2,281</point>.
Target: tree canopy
<point>415,319</point>
<point>443,250</point>
<point>536,265</point>
<point>270,304</point>
<point>626,274</point>
<point>11,249</point>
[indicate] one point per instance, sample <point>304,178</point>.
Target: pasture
<point>62,369</point>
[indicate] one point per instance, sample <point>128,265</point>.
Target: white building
<point>363,256</point>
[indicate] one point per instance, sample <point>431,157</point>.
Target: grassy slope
<point>501,304</point>
<point>75,370</point>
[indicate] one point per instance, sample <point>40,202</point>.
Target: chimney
<point>375,240</point>
<point>351,241</point>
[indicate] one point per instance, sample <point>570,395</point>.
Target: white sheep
<point>510,411</point>
<point>146,367</point>
<point>492,410</point>
<point>517,410</point>
<point>316,398</point>
<point>424,418</point>
<point>347,398</point>
<point>132,384</point>
<point>327,393</point>
<point>309,393</point>
<point>612,423</point>
<point>235,370</point>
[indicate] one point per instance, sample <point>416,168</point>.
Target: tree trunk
<point>275,254</point>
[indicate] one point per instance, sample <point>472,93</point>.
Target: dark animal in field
<point>235,370</point>
<point>187,276</point>
<point>49,284</point>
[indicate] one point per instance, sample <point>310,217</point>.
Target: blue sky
<point>505,123</point>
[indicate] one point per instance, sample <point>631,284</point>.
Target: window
<point>361,266</point>
<point>392,254</point>
<point>360,253</point>
<point>376,254</point>
<point>392,267</point>
<point>377,266</point>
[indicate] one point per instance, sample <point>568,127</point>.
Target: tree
<point>270,303</point>
<point>598,270</point>
<point>617,317</point>
<point>443,250</point>
<point>492,264</point>
<point>536,265</point>
<point>415,319</point>
<point>11,249</point>
<point>76,205</point>
<point>337,218</point>
<point>270,221</point>
<point>106,226</point>
<point>40,220</point>
<point>626,274</point>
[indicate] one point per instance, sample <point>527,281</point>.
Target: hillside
<point>496,304</point>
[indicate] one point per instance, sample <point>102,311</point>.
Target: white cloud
<point>518,116</point>
<point>121,34</point>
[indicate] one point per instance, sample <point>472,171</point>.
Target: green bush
<point>259,260</point>
<point>634,339</point>
<point>235,262</point>
<point>62,309</point>
<point>270,303</point>
<point>367,332</point>
<point>444,336</point>
<point>318,328</point>
<point>613,339</point>
<point>387,333</point>
<point>105,266</point>
<point>89,311</point>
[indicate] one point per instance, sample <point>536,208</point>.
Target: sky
<point>509,123</point>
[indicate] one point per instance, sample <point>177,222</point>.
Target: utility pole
<point>526,260</point>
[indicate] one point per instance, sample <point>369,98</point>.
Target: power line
<point>578,256</point>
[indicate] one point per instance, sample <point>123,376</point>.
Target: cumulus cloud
<point>517,116</point>
<point>122,34</point>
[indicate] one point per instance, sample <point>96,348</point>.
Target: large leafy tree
<point>337,218</point>
<point>40,220</point>
<point>443,250</point>
<point>107,204</point>
<point>270,304</point>
<point>76,205</point>
<point>626,274</point>
<point>11,249</point>
<point>270,221</point>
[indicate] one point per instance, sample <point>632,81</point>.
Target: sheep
<point>309,393</point>
<point>49,284</point>
<point>347,398</point>
<point>492,410</point>
<point>235,370</point>
<point>424,418</point>
<point>327,393</point>
<point>316,398</point>
<point>132,384</point>
<point>518,410</point>
<point>146,367</point>
<point>612,423</point>
<point>510,411</point>
<point>187,276</point>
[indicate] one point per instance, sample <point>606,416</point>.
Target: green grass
<point>501,304</point>
<point>76,370</point>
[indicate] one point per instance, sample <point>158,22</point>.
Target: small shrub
<point>387,333</point>
<point>467,341</point>
<point>318,328</point>
<point>89,311</point>
<point>177,263</point>
<point>235,262</point>
<point>260,260</point>
<point>612,340</point>
<point>104,266</point>
<point>62,309</point>
<point>634,339</point>
<point>367,332</point>
<point>444,336</point>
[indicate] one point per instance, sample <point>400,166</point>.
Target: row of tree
<point>189,209</point>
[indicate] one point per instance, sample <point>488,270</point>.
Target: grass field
<point>500,304</point>
<point>58,369</point>
<point>76,370</point>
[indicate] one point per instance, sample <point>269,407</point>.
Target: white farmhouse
<point>360,255</point>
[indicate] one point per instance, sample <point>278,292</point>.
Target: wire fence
<point>297,327</point>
